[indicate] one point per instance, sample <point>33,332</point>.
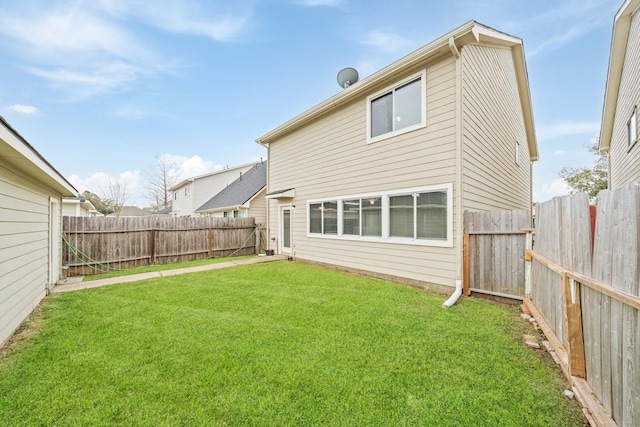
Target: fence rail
<point>95,245</point>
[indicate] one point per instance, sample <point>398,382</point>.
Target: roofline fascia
<point>481,34</point>
<point>619,39</point>
<point>31,154</point>
<point>224,208</point>
<point>205,175</point>
<point>362,86</point>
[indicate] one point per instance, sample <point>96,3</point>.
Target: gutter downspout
<point>458,187</point>
<point>454,297</point>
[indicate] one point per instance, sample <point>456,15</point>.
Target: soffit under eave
<point>40,173</point>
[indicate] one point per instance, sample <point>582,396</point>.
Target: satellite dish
<point>347,77</point>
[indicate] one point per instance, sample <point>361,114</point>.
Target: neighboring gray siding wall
<point>24,249</point>
<point>625,161</point>
<point>330,158</point>
<point>492,123</point>
<point>258,208</point>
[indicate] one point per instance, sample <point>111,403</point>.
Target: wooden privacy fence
<point>494,248</point>
<point>586,298</point>
<point>95,245</point>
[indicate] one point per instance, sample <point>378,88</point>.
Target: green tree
<point>103,206</point>
<point>588,179</point>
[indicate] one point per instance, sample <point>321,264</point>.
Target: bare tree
<point>116,194</point>
<point>160,178</point>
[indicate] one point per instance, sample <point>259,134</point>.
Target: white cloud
<point>385,41</point>
<point>134,181</point>
<point>548,190</point>
<point>192,166</point>
<point>570,21</point>
<point>88,48</point>
<point>567,128</point>
<point>24,109</point>
<point>98,183</point>
<point>315,3</point>
<point>558,153</point>
<point>184,17</point>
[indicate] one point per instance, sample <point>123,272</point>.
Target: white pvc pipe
<point>454,297</point>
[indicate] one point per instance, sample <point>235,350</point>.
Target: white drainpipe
<point>454,297</point>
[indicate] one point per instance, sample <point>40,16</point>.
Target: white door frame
<point>281,240</point>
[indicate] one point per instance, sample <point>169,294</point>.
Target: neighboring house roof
<point>131,211</point>
<point>471,32</point>
<point>619,39</point>
<point>20,153</point>
<point>239,191</point>
<point>165,211</point>
<point>190,180</point>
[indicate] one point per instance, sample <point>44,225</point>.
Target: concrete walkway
<point>143,276</point>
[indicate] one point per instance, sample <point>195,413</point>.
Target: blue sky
<point>102,87</point>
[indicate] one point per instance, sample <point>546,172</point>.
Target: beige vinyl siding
<point>24,249</point>
<point>625,161</point>
<point>492,124</point>
<point>258,207</point>
<point>331,158</point>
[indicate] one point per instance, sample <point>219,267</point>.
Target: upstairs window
<point>398,109</point>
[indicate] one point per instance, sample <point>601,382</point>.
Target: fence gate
<point>494,252</point>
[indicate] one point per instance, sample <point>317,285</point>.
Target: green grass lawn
<point>163,267</point>
<point>276,344</point>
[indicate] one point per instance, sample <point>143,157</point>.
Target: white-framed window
<point>362,216</point>
<point>323,217</point>
<point>397,109</point>
<point>632,129</point>
<point>234,214</point>
<point>418,216</point>
<point>187,191</point>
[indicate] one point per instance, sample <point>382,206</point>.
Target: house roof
<point>619,39</point>
<point>471,32</point>
<point>17,151</point>
<point>190,180</point>
<point>239,191</point>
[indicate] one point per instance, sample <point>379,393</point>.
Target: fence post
<point>573,316</point>
<point>210,242</point>
<point>465,265</point>
<point>527,263</point>
<point>258,239</point>
<point>152,246</point>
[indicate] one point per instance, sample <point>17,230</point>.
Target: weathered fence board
<point>94,245</point>
<point>611,340</point>
<point>606,285</point>
<point>495,252</point>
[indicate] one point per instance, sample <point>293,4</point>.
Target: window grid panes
<point>372,216</point>
<point>351,217</point>
<point>412,216</point>
<point>397,109</point>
